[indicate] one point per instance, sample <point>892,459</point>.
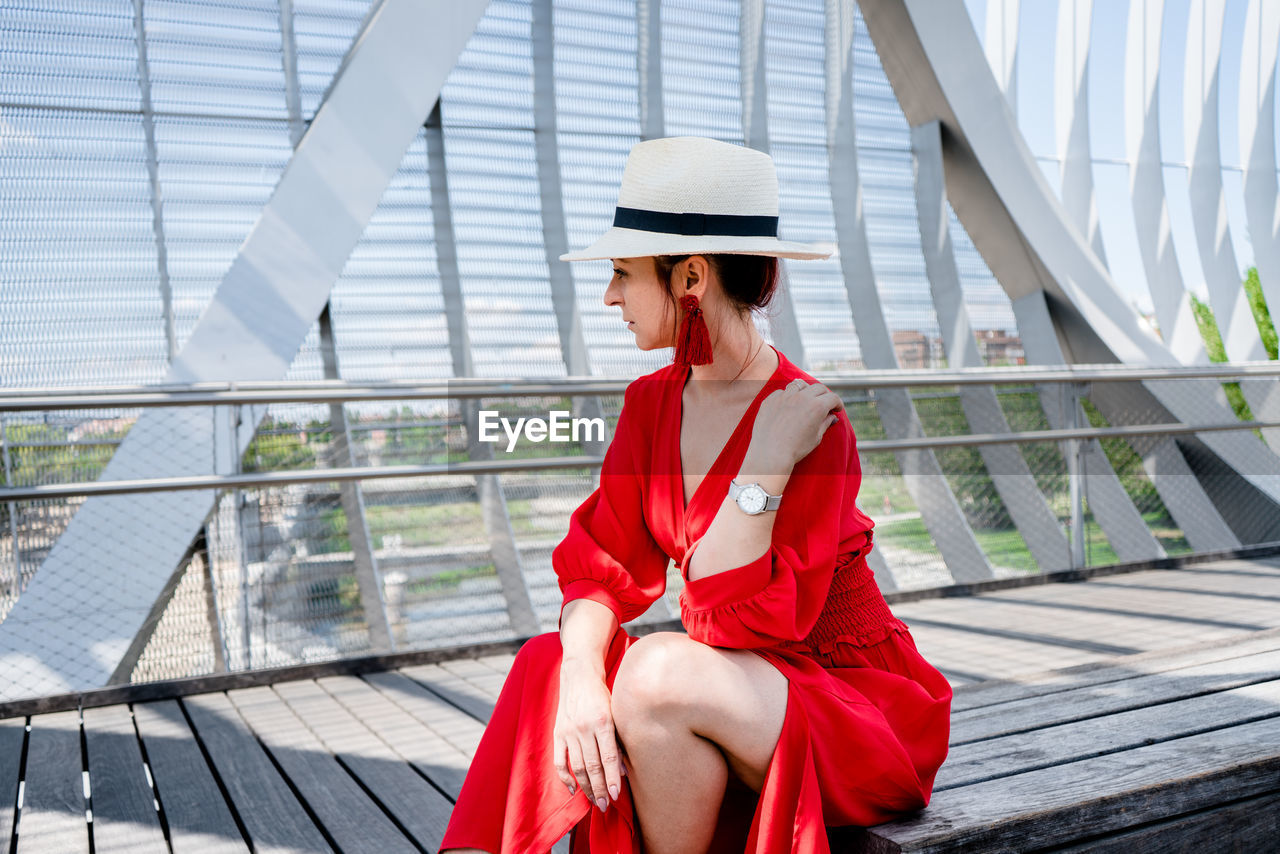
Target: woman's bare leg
<point>688,714</point>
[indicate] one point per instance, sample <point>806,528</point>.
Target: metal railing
<point>459,550</point>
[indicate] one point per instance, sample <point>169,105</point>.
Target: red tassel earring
<point>693,341</point>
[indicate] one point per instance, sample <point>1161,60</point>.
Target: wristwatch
<point>752,499</point>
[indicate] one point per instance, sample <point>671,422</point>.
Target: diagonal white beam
<point>1071,114</point>
<point>934,63</point>
<point>1009,473</point>
<point>940,511</point>
<point>1169,296</point>
<point>1000,41</point>
<point>74,622</point>
<point>1202,74</point>
<point>1258,142</point>
<point>1201,80</point>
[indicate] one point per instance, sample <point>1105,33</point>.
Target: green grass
<point>1007,548</point>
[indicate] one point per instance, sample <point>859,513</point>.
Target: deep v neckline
<point>684,508</point>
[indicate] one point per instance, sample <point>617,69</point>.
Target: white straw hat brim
<point>620,242</point>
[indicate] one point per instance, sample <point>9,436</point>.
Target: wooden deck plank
<point>992,693</point>
<point>1055,745</point>
<point>482,677</point>
<point>13,734</point>
<point>354,821</point>
<point>1113,697</point>
<point>1093,796</point>
<point>1249,825</point>
<point>199,819</point>
<point>455,726</point>
<point>53,816</point>
<point>125,818</point>
<point>273,817</point>
<point>500,663</point>
<point>453,688</point>
<point>413,740</point>
<point>417,805</point>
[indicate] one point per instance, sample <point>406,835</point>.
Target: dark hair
<point>749,281</point>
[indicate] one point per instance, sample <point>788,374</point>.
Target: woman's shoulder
<point>647,388</point>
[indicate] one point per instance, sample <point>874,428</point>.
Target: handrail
<point>281,478</point>
<point>331,391</point>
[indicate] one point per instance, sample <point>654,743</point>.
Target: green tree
<point>1258,304</point>
<point>1213,338</point>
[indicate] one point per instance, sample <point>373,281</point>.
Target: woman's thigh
<point>732,697</point>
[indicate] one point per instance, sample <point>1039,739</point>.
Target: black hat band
<point>733,225</point>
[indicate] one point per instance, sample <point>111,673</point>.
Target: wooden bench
<point>1129,755</point>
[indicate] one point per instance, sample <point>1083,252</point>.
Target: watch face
<point>751,499</point>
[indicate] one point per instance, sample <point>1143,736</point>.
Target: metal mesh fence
<point>281,573</point>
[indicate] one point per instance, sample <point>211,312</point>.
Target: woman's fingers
<point>579,768</point>
<point>607,741</point>
<point>594,762</point>
<point>559,749</point>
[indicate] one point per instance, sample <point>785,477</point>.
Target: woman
<point>796,700</point>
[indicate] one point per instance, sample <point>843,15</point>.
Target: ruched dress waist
<point>855,613</point>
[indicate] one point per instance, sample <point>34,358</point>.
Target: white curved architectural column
<point>1258,143</point>
<point>369,578</point>
<point>1223,277</point>
<point>1071,117</point>
<point>1183,496</point>
<point>838,36</point>
<point>153,181</point>
<point>75,621</point>
<point>1000,41</point>
<point>1008,471</point>
<point>649,68</point>
<point>564,295</point>
<point>934,63</point>
<point>1169,296</point>
<point>755,94</point>
<point>555,239</point>
<point>1112,508</point>
<point>921,472</point>
<point>1208,204</point>
<point>784,328</point>
<point>489,491</point>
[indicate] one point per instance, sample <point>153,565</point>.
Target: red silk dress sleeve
<point>778,596</point>
<point>609,554</point>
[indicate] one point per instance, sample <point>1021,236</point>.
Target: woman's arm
<point>759,592</point>
<point>733,538</point>
<point>789,424</point>
<point>585,744</point>
<point>585,631</point>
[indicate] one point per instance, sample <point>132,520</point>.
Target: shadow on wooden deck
<point>1121,713</point>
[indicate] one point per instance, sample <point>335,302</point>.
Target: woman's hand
<point>584,732</point>
<point>792,420</point>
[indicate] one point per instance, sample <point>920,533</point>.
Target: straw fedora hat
<point>686,195</point>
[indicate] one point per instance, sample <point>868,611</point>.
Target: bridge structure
<point>245,439</point>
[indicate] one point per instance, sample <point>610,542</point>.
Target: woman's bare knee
<point>650,681</point>
<point>733,698</point>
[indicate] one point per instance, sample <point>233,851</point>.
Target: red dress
<point>867,720</point>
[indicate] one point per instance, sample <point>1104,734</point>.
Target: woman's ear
<point>693,272</point>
